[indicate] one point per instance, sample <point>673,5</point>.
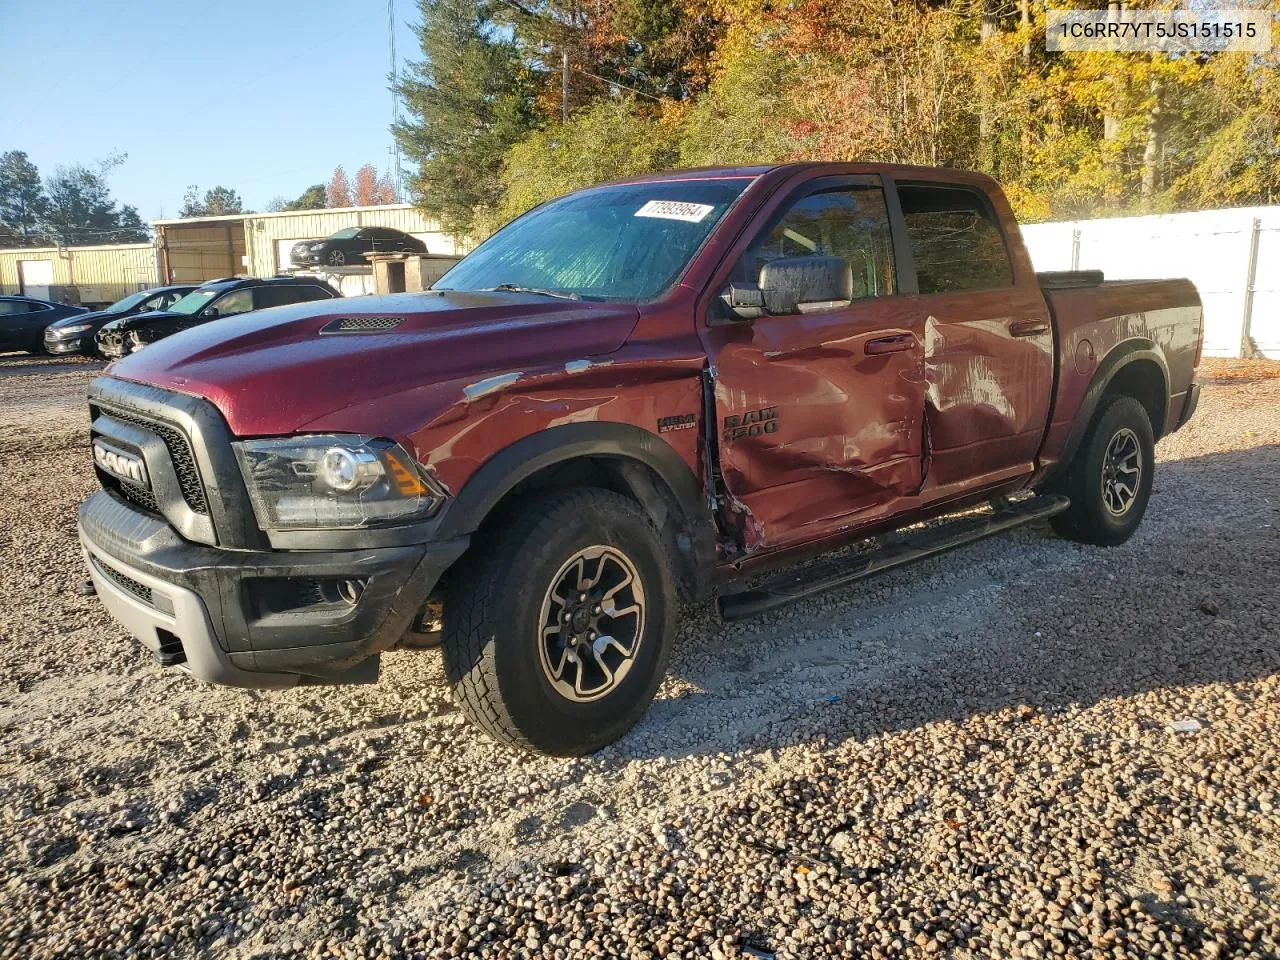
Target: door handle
<point>894,344</point>
<point>1028,328</point>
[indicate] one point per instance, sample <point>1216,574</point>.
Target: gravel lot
<point>969,757</point>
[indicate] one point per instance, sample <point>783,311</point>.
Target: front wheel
<point>556,633</point>
<point>336,258</point>
<point>1109,482</point>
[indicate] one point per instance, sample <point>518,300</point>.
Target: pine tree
<point>220,201</point>
<point>22,199</point>
<point>81,210</point>
<point>312,198</point>
<point>467,102</point>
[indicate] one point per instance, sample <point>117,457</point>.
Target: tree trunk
<point>986,149</point>
<point>1111,116</point>
<point>1155,145</point>
<point>1025,10</point>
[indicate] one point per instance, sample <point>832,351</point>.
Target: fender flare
<point>693,535</point>
<point>1121,355</point>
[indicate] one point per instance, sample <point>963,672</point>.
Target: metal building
<point>203,248</point>
<point>93,276</point>
<point>257,244</point>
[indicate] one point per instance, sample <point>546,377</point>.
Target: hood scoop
<point>361,324</point>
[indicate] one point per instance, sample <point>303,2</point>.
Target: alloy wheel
<point>591,624</point>
<point>1121,472</point>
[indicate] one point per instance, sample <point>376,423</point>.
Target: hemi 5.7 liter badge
<point>684,421</point>
<point>751,424</point>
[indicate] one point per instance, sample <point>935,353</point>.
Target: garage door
<point>35,277</point>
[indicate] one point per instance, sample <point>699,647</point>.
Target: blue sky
<point>264,97</point>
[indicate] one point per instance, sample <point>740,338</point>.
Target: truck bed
<point>1095,319</point>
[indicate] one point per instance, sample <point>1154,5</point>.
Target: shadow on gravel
<point>29,364</point>
<point>1191,600</point>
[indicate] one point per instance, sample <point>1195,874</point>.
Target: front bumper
<point>113,347</point>
<point>250,618</point>
<point>81,343</point>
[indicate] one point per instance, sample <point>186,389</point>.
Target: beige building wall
<point>257,244</point>
<point>269,236</point>
<point>89,275</point>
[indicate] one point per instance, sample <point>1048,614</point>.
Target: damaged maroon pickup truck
<point>641,394</point>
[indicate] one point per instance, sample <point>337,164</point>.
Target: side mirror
<point>791,283</point>
<point>211,314</point>
<point>743,301</point>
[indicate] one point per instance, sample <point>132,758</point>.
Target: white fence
<point>1232,256</point>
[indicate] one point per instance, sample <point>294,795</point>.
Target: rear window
<point>955,241</point>
<point>278,296</point>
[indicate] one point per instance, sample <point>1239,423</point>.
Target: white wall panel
<point>1211,248</point>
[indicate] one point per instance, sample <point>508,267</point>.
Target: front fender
<point>512,465</point>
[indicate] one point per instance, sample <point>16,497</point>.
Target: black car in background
<point>217,298</point>
<point>76,334</point>
<point>348,247</point>
<point>23,319</point>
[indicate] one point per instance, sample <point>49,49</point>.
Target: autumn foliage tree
<point>385,191</point>
<point>338,192</point>
<point>366,186</point>
<point>967,83</point>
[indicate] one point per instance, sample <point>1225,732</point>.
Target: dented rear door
<point>988,339</point>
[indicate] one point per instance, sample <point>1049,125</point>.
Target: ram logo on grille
<point>125,466</point>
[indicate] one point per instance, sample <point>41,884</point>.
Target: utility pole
<point>396,173</point>
<point>564,85</point>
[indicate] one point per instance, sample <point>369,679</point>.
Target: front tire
<point>336,258</point>
<point>557,632</point>
<point>1109,482</point>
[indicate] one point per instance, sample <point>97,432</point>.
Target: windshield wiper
<point>516,288</point>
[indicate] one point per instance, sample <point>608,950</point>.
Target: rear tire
<point>556,633</point>
<point>1109,481</point>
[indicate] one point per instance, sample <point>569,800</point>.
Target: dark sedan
<point>348,247</point>
<point>218,298</point>
<point>76,334</point>
<point>23,319</point>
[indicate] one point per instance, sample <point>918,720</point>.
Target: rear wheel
<point>1109,482</point>
<point>557,632</point>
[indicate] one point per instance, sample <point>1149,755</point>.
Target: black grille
<point>127,584</point>
<point>139,495</point>
<point>358,324</point>
<point>184,463</point>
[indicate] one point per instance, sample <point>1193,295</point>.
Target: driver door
<point>819,409</point>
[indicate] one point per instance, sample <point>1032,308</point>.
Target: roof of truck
<point>899,171</point>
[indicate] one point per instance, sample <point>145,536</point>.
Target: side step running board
<point>818,578</point>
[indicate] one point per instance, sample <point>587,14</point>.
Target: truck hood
<point>272,371</point>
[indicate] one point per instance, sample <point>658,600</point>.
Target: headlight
<point>316,246</point>
<point>72,328</point>
<point>334,482</point>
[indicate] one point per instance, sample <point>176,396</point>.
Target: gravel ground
<point>974,756</point>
